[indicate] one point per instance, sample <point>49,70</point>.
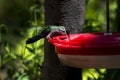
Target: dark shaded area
<point>117,21</point>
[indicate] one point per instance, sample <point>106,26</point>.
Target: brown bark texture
<point>69,13</point>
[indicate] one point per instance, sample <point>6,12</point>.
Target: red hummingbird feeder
<point>89,50</point>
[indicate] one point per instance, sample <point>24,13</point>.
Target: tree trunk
<point>69,13</point>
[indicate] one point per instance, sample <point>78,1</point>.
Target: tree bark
<point>69,13</point>
<point>72,15</point>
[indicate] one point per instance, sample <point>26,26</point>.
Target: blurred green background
<point>21,19</point>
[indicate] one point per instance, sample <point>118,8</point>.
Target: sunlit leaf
<point>24,76</point>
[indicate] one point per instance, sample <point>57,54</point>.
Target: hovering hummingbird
<point>49,31</point>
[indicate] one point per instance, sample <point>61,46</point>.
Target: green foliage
<point>24,62</point>
<point>19,61</point>
<point>95,18</point>
<point>93,74</point>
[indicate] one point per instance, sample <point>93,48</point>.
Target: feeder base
<point>80,61</point>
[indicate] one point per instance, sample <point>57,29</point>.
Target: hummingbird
<point>49,32</point>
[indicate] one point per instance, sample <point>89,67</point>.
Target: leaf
<point>30,49</point>
<point>24,76</point>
